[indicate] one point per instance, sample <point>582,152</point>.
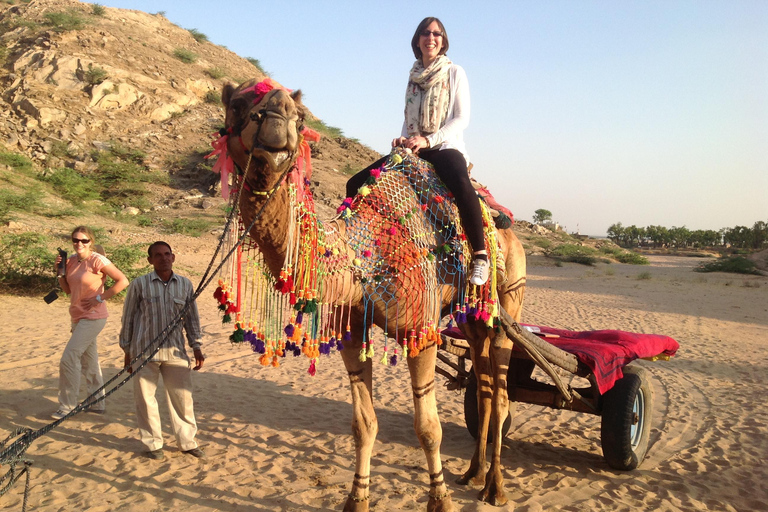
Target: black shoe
<point>155,454</point>
<point>502,221</point>
<point>195,452</point>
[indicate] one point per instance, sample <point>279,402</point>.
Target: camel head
<point>264,122</point>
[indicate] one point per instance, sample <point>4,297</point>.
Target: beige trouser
<point>81,355</point>
<point>177,378</point>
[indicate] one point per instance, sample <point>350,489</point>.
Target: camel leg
<point>493,491</point>
<point>364,425</point>
<point>481,365</point>
<point>427,425</point>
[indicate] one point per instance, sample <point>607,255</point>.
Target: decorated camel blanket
<point>606,352</point>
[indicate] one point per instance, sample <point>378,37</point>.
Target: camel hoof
<point>440,505</point>
<point>492,496</point>
<point>467,479</point>
<point>353,505</point>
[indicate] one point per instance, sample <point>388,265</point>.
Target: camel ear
<point>296,97</point>
<point>226,94</point>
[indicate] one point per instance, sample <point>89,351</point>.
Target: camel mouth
<point>275,159</point>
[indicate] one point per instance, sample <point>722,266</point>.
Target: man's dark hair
<point>159,242</point>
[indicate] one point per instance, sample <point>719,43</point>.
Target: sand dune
<point>280,439</point>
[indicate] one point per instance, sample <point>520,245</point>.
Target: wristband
<point>99,299</point>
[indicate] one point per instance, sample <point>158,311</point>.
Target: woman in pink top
<point>86,273</point>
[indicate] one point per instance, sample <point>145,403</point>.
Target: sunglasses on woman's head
<point>82,241</point>
<point>435,33</point>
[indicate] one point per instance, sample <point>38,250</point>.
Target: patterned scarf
<point>427,96</point>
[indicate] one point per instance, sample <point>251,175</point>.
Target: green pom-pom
<point>226,319</point>
<point>237,336</point>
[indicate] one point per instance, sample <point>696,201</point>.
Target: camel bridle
<point>259,117</point>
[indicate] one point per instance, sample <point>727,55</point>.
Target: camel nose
<point>280,103</point>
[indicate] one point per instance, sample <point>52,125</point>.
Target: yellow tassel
<point>362,356</point>
<point>371,353</point>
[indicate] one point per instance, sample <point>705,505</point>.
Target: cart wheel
<point>626,421</point>
<point>471,416</point>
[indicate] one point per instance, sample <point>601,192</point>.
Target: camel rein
<point>13,454</point>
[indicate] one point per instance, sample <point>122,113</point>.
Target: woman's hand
<point>91,303</point>
<point>400,141</point>
<point>416,143</point>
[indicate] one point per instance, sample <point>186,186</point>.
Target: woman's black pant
<point>451,168</point>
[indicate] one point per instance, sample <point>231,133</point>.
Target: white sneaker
<point>59,414</point>
<point>479,272</point>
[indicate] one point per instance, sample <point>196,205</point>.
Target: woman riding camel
<point>436,114</point>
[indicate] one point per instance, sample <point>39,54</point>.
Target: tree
<point>681,236</point>
<point>759,234</point>
<point>616,233</point>
<point>541,215</point>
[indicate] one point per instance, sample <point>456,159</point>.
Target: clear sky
<point>639,112</point>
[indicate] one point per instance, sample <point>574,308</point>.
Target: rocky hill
<point>78,80</point>
<point>77,77</point>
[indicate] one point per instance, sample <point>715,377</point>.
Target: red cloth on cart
<point>607,352</point>
<point>604,352</point>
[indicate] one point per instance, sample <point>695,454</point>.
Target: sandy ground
<point>280,440</point>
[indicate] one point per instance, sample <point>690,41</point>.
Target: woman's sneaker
<point>479,272</point>
<point>59,414</point>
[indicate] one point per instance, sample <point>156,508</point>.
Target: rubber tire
<point>624,440</point>
<point>471,415</point>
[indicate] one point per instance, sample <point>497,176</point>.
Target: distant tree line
<point>740,237</point>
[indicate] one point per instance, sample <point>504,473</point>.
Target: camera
<point>62,271</point>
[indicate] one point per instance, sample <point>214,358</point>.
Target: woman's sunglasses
<point>83,241</point>
<point>435,33</point>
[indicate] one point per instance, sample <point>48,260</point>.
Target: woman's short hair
<point>421,28</point>
<point>87,231</point>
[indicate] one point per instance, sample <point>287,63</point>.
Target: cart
<point>625,408</point>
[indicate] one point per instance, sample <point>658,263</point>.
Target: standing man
<point>152,303</point>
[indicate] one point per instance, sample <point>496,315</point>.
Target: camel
<point>264,125</point>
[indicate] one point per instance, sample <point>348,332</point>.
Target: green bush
<point>329,131</point>
<point>15,161</point>
<point>623,256</point>
<point>212,97</point>
<point>71,19</point>
<point>72,185</point>
<point>26,263</point>
<point>632,258</point>
<point>197,35</point>
<point>136,156</point>
<point>257,65</point>
<point>98,10</point>
<point>184,55</point>
<point>12,202</point>
<point>574,254</point>
<point>540,241</point>
<point>95,75</point>
<point>733,264</point>
<point>216,73</point>
<point>189,227</point>
<point>131,259</point>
